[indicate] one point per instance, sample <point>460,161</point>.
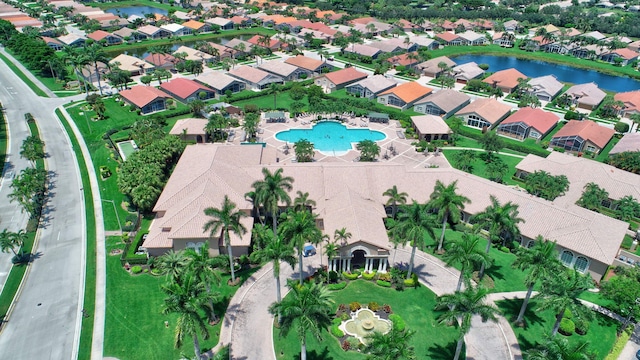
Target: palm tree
<point>188,300</point>
<point>205,269</point>
<point>306,309</point>
<point>225,219</point>
<point>466,252</point>
<point>342,235</point>
<point>449,205</point>
<point>560,292</point>
<point>461,306</point>
<point>95,54</point>
<point>173,265</point>
<point>274,89</point>
<point>413,226</point>
<point>540,262</point>
<point>299,228</point>
<point>331,249</point>
<point>273,190</point>
<point>393,345</point>
<point>276,251</point>
<point>395,198</point>
<point>501,221</point>
<point>7,242</point>
<point>558,348</point>
<point>302,201</point>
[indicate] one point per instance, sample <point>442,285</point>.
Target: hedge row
<point>509,144</point>
<point>255,94</point>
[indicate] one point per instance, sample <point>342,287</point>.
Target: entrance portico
<point>362,257</point>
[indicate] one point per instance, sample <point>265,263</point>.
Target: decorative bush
<point>505,249</point>
<point>567,327</point>
<point>345,317</point>
<point>373,306</point>
<point>136,269</point>
<point>346,346</point>
<point>335,331</point>
<point>338,286</point>
<point>386,308</point>
<point>350,276</point>
<point>368,275</point>
<point>567,314</point>
<point>621,127</point>
<point>383,283</point>
<point>333,276</point>
<point>343,307</point>
<point>397,321</point>
<point>353,342</point>
<point>336,321</point>
<point>582,327</point>
<point>384,277</point>
<point>409,282</point>
<point>354,306</point>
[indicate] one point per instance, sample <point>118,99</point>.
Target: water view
<point>330,136</point>
<point>535,68</point>
<point>125,12</point>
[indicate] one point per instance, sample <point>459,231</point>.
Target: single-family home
<point>631,100</point>
<point>104,37</point>
<point>130,35</point>
<point>154,32</point>
<point>336,80</point>
<point>363,50</point>
<point>503,39</point>
<point>430,128</point>
<point>449,38</point>
<point>224,24</point>
<point>242,47</point>
<point>394,45</point>
<point>582,136</point>
<point>255,79</point>
<point>445,103</point>
<point>472,38</point>
<point>484,113</point>
<point>597,35</point>
<point>286,71</point>
<point>545,87</point>
<point>510,25</point>
<point>53,43</point>
<point>175,29</point>
<point>404,96</point>
<point>620,56</point>
<point>146,98</point>
<point>193,54</point>
<point>408,26</point>
<point>131,64</point>
<point>506,80</point>
<point>186,90</point>
<point>634,46</point>
<point>467,71</point>
<point>528,122</point>
<point>191,129</point>
<point>408,60</point>
<point>73,40</point>
<point>424,42</point>
<point>430,67</point>
<point>586,96</point>
<point>371,86</point>
<point>241,21</point>
<point>196,27</point>
<point>272,44</point>
<point>161,61</point>
<point>314,66</point>
<point>221,83</point>
<point>629,142</point>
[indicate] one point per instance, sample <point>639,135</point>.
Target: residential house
<point>484,113</point>
<point>221,83</point>
<point>546,88</point>
<point>629,142</point>
<point>220,51</point>
<point>506,80</point>
<point>634,46</point>
<point>394,45</point>
<point>73,40</point>
<point>511,25</point>
<point>314,66</point>
<point>431,67</point>
<point>404,96</point>
<point>186,90</point>
<point>175,29</point>
<point>631,100</point>
<point>336,80</point>
<point>463,24</point>
<point>371,86</point>
<point>53,43</point>
<point>154,32</point>
<point>147,99</point>
<point>191,130</point>
<point>408,26</point>
<point>472,38</point>
<point>255,79</point>
<point>620,56</point>
<point>242,47</point>
<point>445,103</point>
<point>582,136</point>
<point>196,27</point>
<point>286,71</point>
<point>241,21</point>
<point>424,42</point>
<point>503,39</point>
<point>483,25</point>
<point>193,54</point>
<point>408,60</point>
<point>224,24</point>
<point>586,96</point>
<point>161,61</point>
<point>450,39</point>
<point>131,64</point>
<point>363,50</point>
<point>102,36</point>
<point>592,51</point>
<point>527,123</point>
<point>551,29</point>
<point>273,44</point>
<point>430,128</point>
<point>597,35</point>
<point>467,71</point>
<point>130,35</point>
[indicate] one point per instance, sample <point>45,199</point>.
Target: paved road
<point>45,321</point>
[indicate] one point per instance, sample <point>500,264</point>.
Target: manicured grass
<point>479,166</point>
<point>134,327</point>
<point>596,298</point>
<point>14,279</point>
<point>23,77</point>
<point>604,154</point>
<point>601,334</point>
<point>283,101</point>
<point>415,306</point>
<point>86,335</point>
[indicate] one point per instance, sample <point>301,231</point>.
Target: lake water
<point>535,68</point>
<point>125,12</point>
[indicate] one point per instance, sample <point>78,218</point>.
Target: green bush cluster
<point>582,327</point>
<point>398,322</point>
<point>355,306</point>
<point>385,277</point>
<point>136,269</point>
<point>567,327</point>
<point>509,144</point>
<point>409,282</point>
<point>373,306</point>
<point>337,286</point>
<point>383,283</point>
<point>368,275</point>
<point>350,276</point>
<point>505,249</point>
<point>335,331</point>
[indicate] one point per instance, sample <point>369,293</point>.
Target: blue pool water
<point>330,136</point>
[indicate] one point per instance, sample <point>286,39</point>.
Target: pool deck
<point>399,151</point>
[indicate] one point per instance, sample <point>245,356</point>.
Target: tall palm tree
<point>558,348</point>
<point>299,228</point>
<point>188,299</point>
<point>253,198</point>
<point>413,226</point>
<point>271,191</point>
<point>501,221</point>
<point>306,309</point>
<point>540,262</point>
<point>461,306</point>
<point>95,54</point>
<point>225,219</point>
<point>342,235</point>
<point>173,264</point>
<point>467,253</point>
<point>395,198</point>
<point>302,201</point>
<point>276,250</point>
<point>560,292</point>
<point>393,345</point>
<point>331,249</point>
<point>205,269</point>
<point>7,242</point>
<point>448,203</point>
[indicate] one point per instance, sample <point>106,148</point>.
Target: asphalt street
<point>45,320</point>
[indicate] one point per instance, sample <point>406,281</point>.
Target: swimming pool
<point>328,136</point>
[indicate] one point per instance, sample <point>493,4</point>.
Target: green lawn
<point>283,101</point>
<point>601,334</point>
<point>415,306</point>
<point>479,166</point>
<point>604,154</point>
<point>13,280</point>
<point>134,327</point>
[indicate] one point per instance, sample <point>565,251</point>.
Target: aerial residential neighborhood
<point>325,180</point>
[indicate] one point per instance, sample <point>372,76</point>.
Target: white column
<point>384,265</point>
<point>366,264</point>
<point>380,264</point>
<point>344,261</point>
<point>348,264</point>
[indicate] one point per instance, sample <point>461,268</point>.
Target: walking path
<point>476,149</point>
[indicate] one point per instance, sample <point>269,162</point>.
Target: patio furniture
<point>400,134</point>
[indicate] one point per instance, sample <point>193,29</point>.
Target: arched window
<point>582,264</point>
<point>530,244</point>
<point>566,257</point>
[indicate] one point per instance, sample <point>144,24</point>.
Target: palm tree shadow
<point>314,355</point>
<point>439,352</point>
<point>511,307</point>
<point>494,272</point>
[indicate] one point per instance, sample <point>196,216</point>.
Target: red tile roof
<point>538,119</point>
<point>505,78</point>
<point>408,92</point>
<point>98,35</point>
<point>160,59</point>
<point>273,43</point>
<point>304,62</point>
<point>631,100</point>
<point>403,59</point>
<point>587,130</point>
<point>141,96</point>
<point>626,54</point>
<point>345,75</point>
<point>447,36</point>
<point>182,87</point>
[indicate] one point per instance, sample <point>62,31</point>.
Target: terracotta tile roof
<point>183,87</point>
<point>130,63</point>
<point>49,40</point>
<point>408,92</point>
<point>431,66</point>
<point>217,80</point>
<point>160,59</point>
<point>141,96</point>
<point>629,142</point>
<point>249,73</point>
<point>403,59</point>
<point>587,130</point>
<point>148,29</point>
<point>345,75</point>
<point>488,108</point>
<point>193,24</point>
<point>538,119</point>
<point>505,78</point>
<point>98,35</point>
<point>363,20</point>
<point>631,100</point>
<point>447,36</point>
<point>305,62</point>
<point>626,54</point>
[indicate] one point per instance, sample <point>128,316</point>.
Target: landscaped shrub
<point>621,127</point>
<point>345,317</point>
<point>346,346</point>
<point>373,306</point>
<point>397,321</point>
<point>384,277</point>
<point>386,308</point>
<point>383,283</point>
<point>567,327</point>
<point>582,327</point>
<point>350,276</point>
<point>136,269</point>
<point>567,314</point>
<point>337,286</point>
<point>335,331</point>
<point>368,275</point>
<point>355,306</point>
<point>333,276</point>
<point>505,249</point>
<point>409,282</point>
